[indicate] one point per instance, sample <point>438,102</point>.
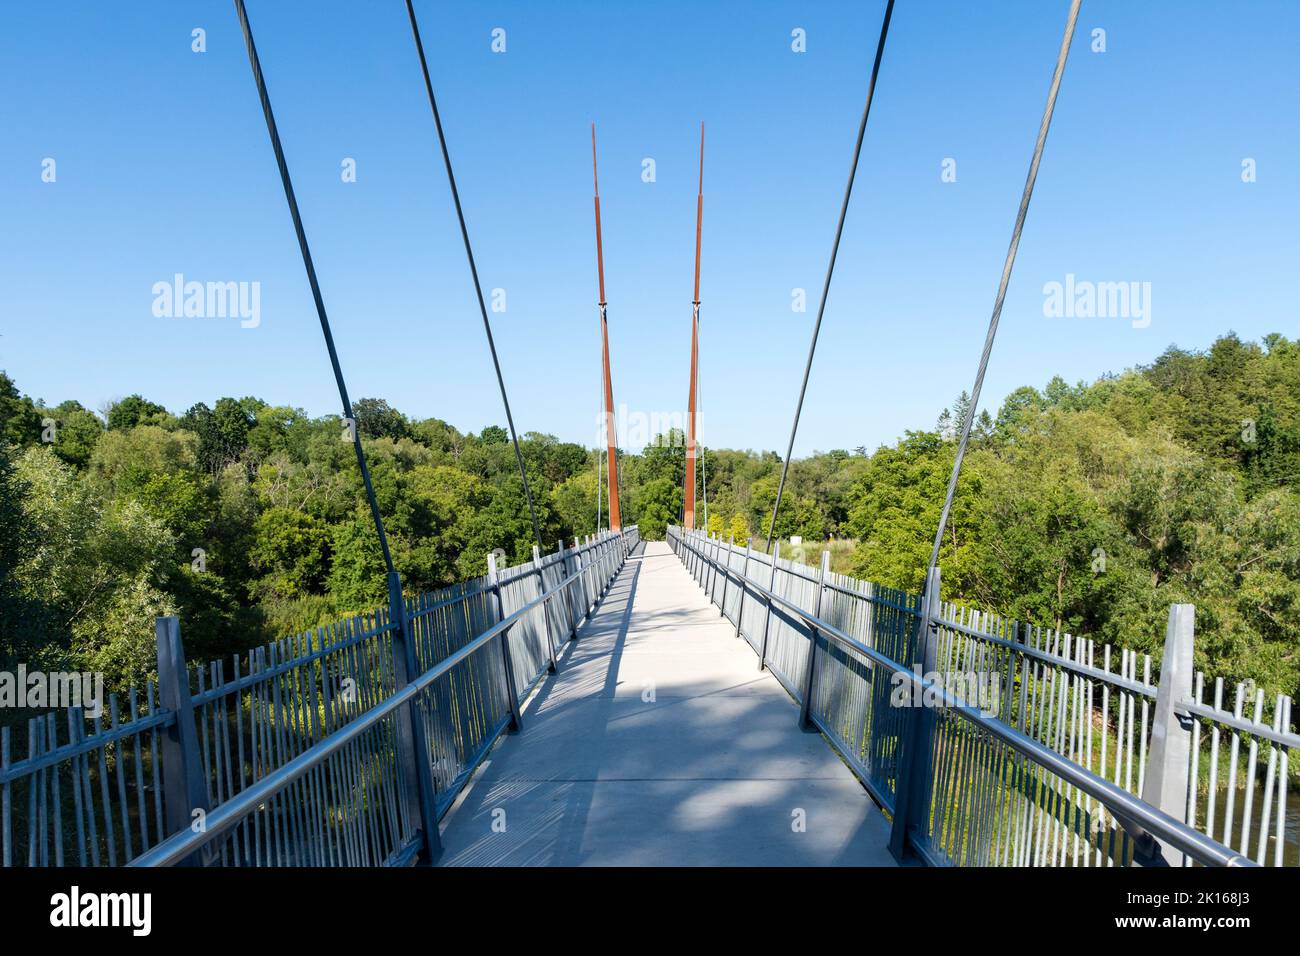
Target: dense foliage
<point>1089,507</point>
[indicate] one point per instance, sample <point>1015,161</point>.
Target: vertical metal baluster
<point>1142,739</point>
<point>1251,766</point>
<point>1279,836</point>
<point>1232,770</point>
<point>107,802</point>
<point>1267,809</point>
<point>37,784</point>
<point>6,803</point>
<point>767,614</point>
<point>546,617</point>
<point>142,816</point>
<point>1194,763</point>
<point>810,680</point>
<point>123,807</point>
<point>740,608</point>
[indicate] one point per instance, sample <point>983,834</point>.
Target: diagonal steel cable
<point>311,278</point>
<point>830,268</point>
<point>478,286</point>
<point>1007,266</point>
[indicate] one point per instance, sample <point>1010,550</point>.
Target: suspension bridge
<point>621,702</point>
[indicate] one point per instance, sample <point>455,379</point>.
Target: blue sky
<point>163,166</point>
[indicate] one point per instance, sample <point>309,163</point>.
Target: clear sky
<point>164,167</point>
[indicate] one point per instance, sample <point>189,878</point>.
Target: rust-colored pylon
<point>615,521</point>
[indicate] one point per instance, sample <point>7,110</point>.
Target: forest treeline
<point>1090,507</point>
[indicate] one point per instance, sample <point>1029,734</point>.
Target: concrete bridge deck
<point>659,743</point>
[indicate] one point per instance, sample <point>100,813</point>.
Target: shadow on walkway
<point>658,742</point>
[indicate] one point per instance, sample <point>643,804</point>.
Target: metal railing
<point>963,784</point>
<point>1099,705</point>
<point>341,747</point>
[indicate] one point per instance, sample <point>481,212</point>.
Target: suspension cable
<point>311,278</point>
<point>478,286</point>
<point>830,268</point>
<point>1003,283</point>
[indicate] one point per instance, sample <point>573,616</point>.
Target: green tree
<point>738,528</point>
<point>22,617</point>
<point>574,502</point>
<point>377,419</point>
<point>98,568</point>
<point>20,422</point>
<point>78,431</point>
<point>134,410</point>
<point>357,576</point>
<point>292,551</point>
<point>659,504</point>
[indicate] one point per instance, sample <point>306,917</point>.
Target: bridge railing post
<point>512,691</point>
<point>584,583</point>
<point>544,606</point>
<point>722,574</point>
<point>412,745</point>
<point>598,564</point>
<point>568,591</point>
<point>914,779</point>
<point>744,572</point>
<point>584,563</point>
<point>185,793</point>
<point>715,557</point>
<point>602,549</point>
<point>767,615</point>
<point>706,565</point>
<point>1169,760</point>
<point>810,672</point>
<point>726,576</point>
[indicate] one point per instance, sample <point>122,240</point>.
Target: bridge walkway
<point>659,742</point>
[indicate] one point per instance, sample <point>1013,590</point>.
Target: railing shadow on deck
<point>688,777</point>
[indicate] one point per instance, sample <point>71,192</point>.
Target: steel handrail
<point>1141,817</point>
<point>18,769</point>
<point>229,814</point>
<point>525,571</point>
<point>1244,724</point>
<point>1046,657</point>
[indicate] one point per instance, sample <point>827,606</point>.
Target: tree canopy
<point>1091,507</point>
